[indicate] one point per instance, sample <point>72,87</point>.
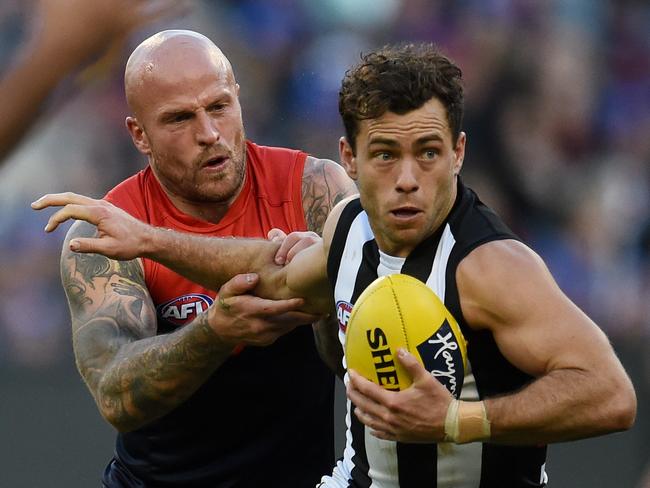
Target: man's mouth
<point>215,162</point>
<point>405,212</point>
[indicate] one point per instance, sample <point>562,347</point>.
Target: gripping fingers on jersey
<point>303,241</point>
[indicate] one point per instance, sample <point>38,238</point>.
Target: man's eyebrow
<point>173,112</point>
<point>429,138</point>
<point>384,141</point>
<point>221,97</point>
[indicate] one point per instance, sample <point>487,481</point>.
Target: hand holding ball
<point>400,311</point>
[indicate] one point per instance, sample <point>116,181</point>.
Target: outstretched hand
<point>416,414</point>
<point>119,235</point>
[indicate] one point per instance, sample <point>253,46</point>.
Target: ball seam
<point>401,317</point>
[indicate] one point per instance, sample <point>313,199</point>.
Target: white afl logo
<point>185,308</point>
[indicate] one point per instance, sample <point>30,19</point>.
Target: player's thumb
<point>238,285</point>
<point>413,367</point>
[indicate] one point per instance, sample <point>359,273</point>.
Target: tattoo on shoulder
<point>324,184</point>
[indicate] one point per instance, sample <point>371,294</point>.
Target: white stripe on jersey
<point>437,279</point>
<point>360,232</point>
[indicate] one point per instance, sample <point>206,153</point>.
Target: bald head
<point>168,56</point>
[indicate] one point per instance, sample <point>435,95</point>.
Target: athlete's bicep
<point>506,288</point>
<point>109,305</point>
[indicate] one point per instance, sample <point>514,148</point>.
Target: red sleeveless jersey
<point>266,411</point>
<point>271,197</point>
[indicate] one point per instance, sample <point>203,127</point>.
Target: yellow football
<point>401,311</point>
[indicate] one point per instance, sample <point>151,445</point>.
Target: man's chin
<point>221,191</point>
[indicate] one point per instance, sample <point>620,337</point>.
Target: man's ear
<point>138,135</point>
<point>347,157</point>
<point>459,152</point>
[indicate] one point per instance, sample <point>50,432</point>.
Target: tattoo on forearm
<point>160,376</point>
<point>134,375</point>
<point>322,189</point>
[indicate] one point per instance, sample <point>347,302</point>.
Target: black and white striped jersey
<point>354,262</point>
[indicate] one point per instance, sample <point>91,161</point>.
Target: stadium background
<point>558,119</point>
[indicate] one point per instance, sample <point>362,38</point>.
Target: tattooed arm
<point>324,184</point>
<point>134,375</point>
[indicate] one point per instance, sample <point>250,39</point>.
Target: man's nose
<point>207,132</point>
<point>407,180</point>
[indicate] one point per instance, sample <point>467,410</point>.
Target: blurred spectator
<point>64,34</point>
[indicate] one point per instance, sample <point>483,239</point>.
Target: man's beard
<point>235,176</point>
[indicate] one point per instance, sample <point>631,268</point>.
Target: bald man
<point>242,399</point>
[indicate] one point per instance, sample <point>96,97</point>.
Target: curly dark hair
<point>399,79</point>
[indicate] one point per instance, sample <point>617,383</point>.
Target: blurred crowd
<point>557,116</point>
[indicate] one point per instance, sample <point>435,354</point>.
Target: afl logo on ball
<point>343,311</point>
<point>184,309</point>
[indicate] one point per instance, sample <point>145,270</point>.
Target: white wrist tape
<point>466,422</point>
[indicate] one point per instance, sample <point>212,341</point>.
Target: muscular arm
<point>581,389</point>
<point>134,375</point>
<point>209,261</point>
<point>213,261</point>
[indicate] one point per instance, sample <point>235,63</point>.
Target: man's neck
<point>211,212</point>
<point>208,211</point>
